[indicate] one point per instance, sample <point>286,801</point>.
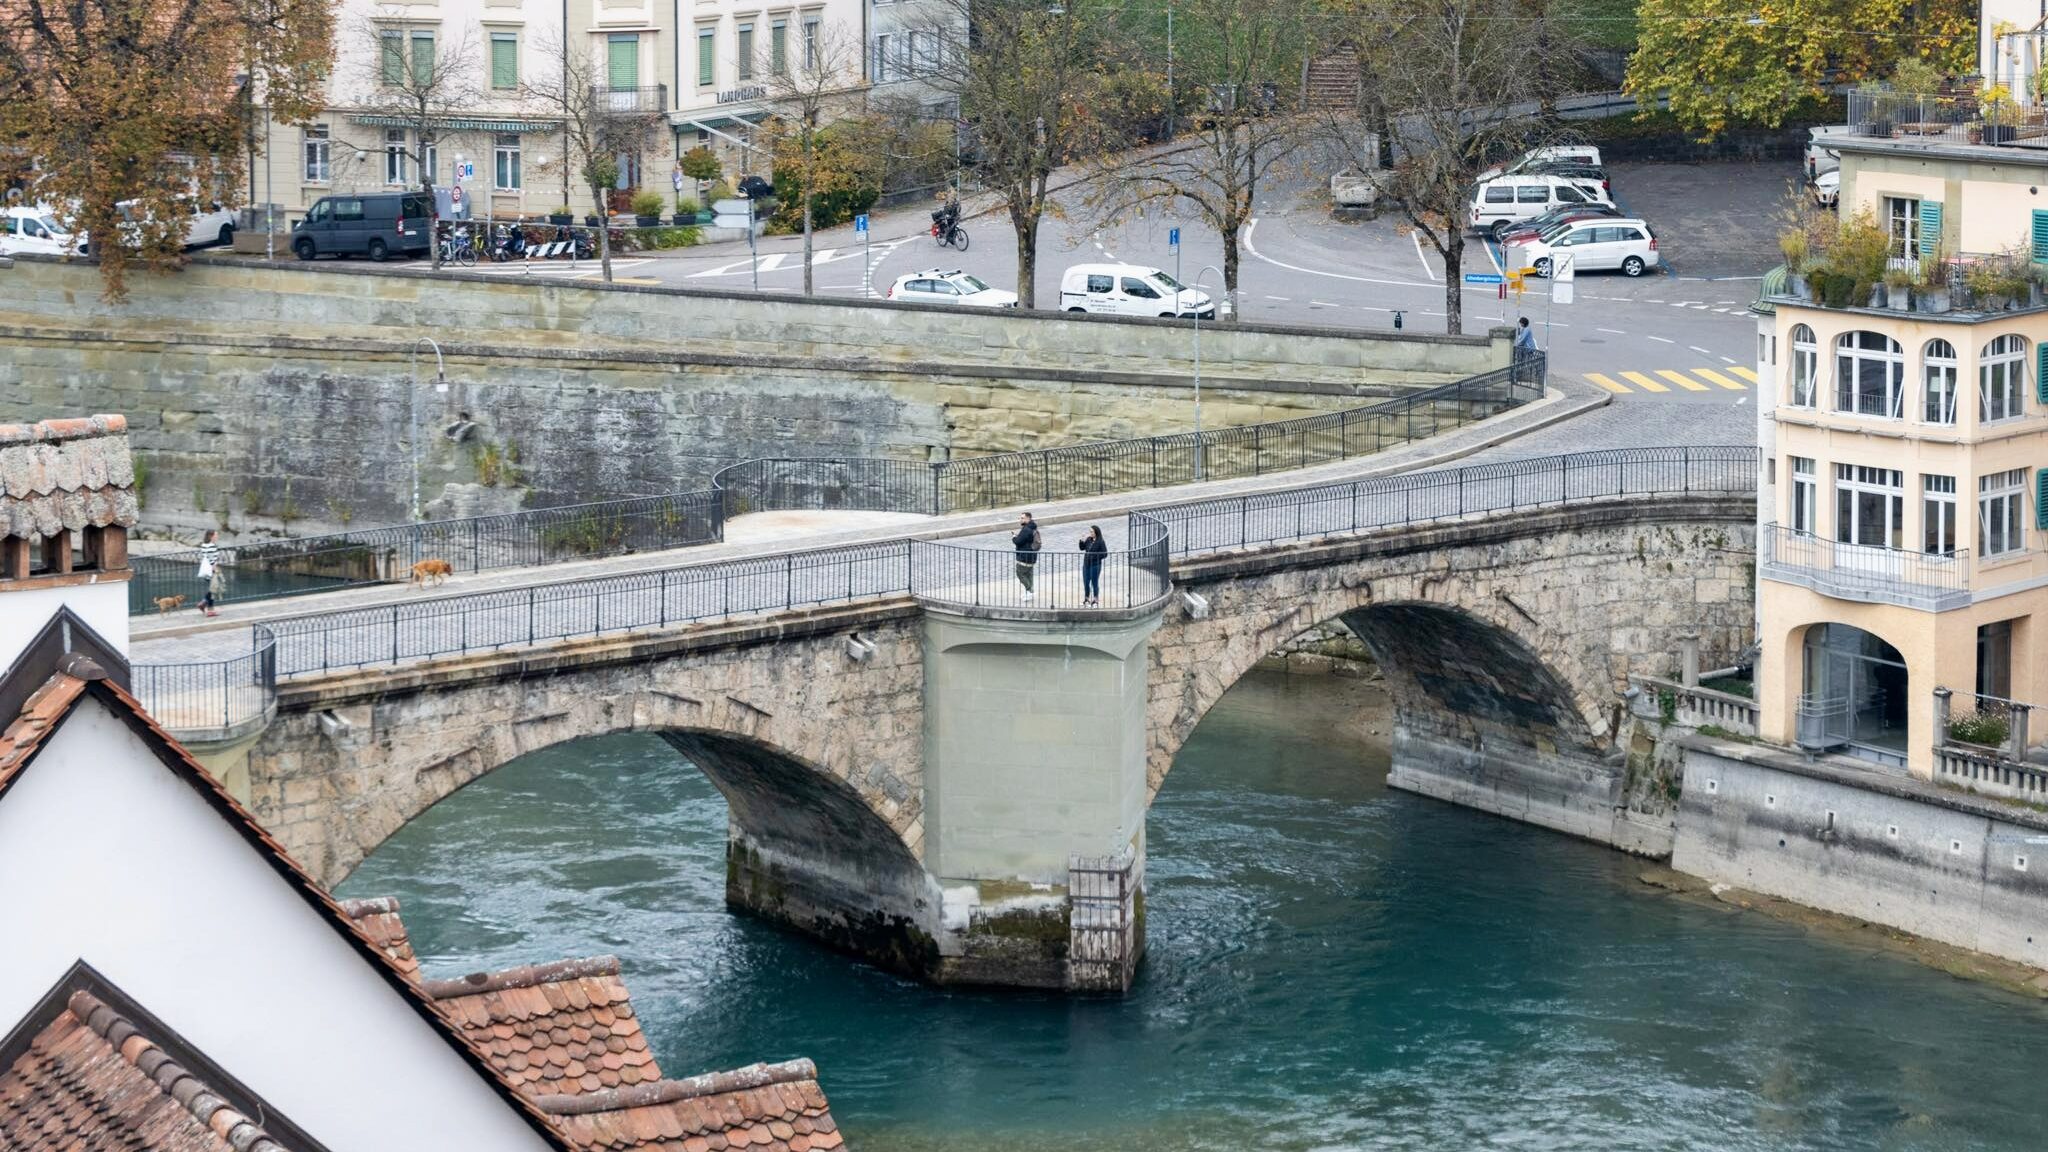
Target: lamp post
<point>1206,269</point>
<point>413,410</point>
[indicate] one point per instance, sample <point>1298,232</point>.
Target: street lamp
<point>413,409</point>
<point>1206,269</point>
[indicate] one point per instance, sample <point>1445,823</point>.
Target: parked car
<point>1594,246</point>
<point>1130,290</point>
<point>1554,154</point>
<point>205,224</point>
<point>34,231</point>
<point>1826,188</point>
<point>1530,229</point>
<point>377,225</point>
<point>1504,201</point>
<point>936,286</point>
<point>1583,173</point>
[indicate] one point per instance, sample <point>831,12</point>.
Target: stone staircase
<point>1334,80</point>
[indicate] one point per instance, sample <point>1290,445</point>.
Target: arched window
<point>1870,374</point>
<point>2001,378</point>
<point>1938,372</point>
<point>1805,366</point>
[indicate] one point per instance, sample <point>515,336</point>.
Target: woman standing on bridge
<point>209,571</point>
<point>1093,549</point>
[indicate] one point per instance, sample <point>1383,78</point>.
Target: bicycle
<point>458,248</point>
<point>949,234</point>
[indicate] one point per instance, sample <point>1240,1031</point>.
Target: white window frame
<point>1902,226</point>
<point>1855,481</point>
<point>1938,515</point>
<point>396,157</point>
<point>1852,357</point>
<point>1805,367</point>
<point>882,57</point>
<point>317,154</point>
<point>1804,510</point>
<point>811,43</point>
<point>2002,375</point>
<point>1938,378</point>
<point>506,160</point>
<point>2002,513</point>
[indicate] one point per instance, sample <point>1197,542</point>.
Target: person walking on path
<point>1026,542</point>
<point>1093,549</point>
<point>209,571</point>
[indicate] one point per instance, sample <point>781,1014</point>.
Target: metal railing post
<point>2016,733</point>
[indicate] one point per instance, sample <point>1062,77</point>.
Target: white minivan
<point>36,231</point>
<point>1130,290</point>
<point>1585,154</point>
<point>1508,200</point>
<point>1598,245</point>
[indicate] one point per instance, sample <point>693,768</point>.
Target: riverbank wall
<point>272,400</point>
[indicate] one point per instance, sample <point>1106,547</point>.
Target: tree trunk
<point>604,244</point>
<point>434,232</point>
<point>1026,224</point>
<point>1230,246</point>
<point>1454,280</point>
<point>807,238</point>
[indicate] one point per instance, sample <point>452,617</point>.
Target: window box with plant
<point>562,215</point>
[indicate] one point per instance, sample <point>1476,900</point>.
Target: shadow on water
<point>1331,965</point>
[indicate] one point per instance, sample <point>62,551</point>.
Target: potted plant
<point>699,165</point>
<point>646,208</point>
<point>1930,283</point>
<point>1793,243</point>
<point>1994,284</point>
<point>1898,289</point>
<point>1995,103</point>
<point>562,215</point>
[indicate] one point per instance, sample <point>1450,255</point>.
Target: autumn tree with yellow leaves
<point>105,101</point>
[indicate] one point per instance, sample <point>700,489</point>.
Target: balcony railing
<point>1865,573</point>
<point>651,98</point>
<point>1959,119</point>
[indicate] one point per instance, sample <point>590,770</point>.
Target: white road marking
<point>1281,299</point>
<point>1489,289</point>
<point>1653,301</point>
<point>1728,359</point>
<point>1661,340</point>
<point>1611,331</point>
<point>1426,269</point>
<point>1323,304</point>
<point>1700,350</point>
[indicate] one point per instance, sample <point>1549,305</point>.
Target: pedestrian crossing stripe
<point>1640,381</point>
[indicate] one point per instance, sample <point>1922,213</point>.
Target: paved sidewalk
<point>174,640</point>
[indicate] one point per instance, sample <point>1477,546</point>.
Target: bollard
<point>1689,660</point>
<point>2016,733</point>
<point>1941,714</point>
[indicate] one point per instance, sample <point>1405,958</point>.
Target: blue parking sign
<point>1173,239</point>
<point>860,223</point>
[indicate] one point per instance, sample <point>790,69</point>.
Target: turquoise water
<point>1332,965</point>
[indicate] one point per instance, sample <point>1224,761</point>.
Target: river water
<point>1332,965</point>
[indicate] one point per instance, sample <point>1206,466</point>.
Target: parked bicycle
<point>458,248</point>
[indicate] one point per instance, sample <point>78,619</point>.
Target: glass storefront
<point>1857,683</point>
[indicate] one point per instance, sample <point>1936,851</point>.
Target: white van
<point>34,231</point>
<point>1130,290</point>
<point>1586,154</point>
<point>1507,200</point>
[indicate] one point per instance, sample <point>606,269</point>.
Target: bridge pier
<point>1035,794</point>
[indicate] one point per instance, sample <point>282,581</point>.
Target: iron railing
<point>211,699</point>
<point>483,621</point>
<point>1057,577</point>
<point>1952,119</point>
<point>645,98</point>
<point>1453,493</point>
<point>1932,582</point>
<point>266,569</point>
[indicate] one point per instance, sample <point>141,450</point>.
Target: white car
<point>1596,245</point>
<point>1826,188</point>
<point>35,231</point>
<point>938,286</point>
<point>1585,154</point>
<point>204,223</point>
<point>1130,290</point>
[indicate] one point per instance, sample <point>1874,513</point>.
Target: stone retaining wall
<point>281,399</point>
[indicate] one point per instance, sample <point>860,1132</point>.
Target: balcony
<point>651,99</point>
<point>1967,288</point>
<point>1947,119</point>
<point>1864,573</point>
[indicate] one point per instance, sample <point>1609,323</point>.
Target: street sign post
<point>867,269</point>
<point>1173,243</point>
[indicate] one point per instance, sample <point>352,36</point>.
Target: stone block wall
<point>282,399</point>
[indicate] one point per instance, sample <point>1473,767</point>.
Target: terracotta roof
<point>46,709</point>
<point>378,919</point>
<point>553,1029</point>
<point>777,1107</point>
<point>92,1079</point>
<point>65,474</point>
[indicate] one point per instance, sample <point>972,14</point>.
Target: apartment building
<point>1903,562</point>
<point>700,70</point>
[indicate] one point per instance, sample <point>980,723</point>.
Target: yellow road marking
<point>1748,374</point>
<point>1606,382</point>
<point>1644,382</point>
<point>1685,382</point>
<point>1723,381</point>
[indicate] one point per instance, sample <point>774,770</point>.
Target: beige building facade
<point>1903,563</point>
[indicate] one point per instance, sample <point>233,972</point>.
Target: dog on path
<point>165,605</point>
<point>430,571</point>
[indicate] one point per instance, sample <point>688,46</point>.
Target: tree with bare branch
<point>1237,94</point>
<point>106,101</point>
<point>413,78</point>
<point>1457,86</point>
<point>1024,82</point>
<point>598,124</point>
<point>814,132</point>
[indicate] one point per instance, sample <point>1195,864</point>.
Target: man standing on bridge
<point>1026,542</point>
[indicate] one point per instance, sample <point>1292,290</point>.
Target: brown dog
<point>430,571</point>
<point>167,604</point>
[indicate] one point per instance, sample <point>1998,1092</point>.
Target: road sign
<point>467,171</point>
<point>860,225</point>
<point>1483,277</point>
<point>455,195</point>
<point>1173,239</point>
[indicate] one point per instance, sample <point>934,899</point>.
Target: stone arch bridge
<point>915,785</point>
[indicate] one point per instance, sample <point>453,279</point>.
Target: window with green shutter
<point>622,64</point>
<point>2040,234</point>
<point>504,60</point>
<point>423,59</point>
<point>393,60</point>
<point>2041,372</point>
<point>2041,498</point>
<point>707,57</point>
<point>1930,227</point>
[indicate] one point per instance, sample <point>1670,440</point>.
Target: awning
<point>458,124</point>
